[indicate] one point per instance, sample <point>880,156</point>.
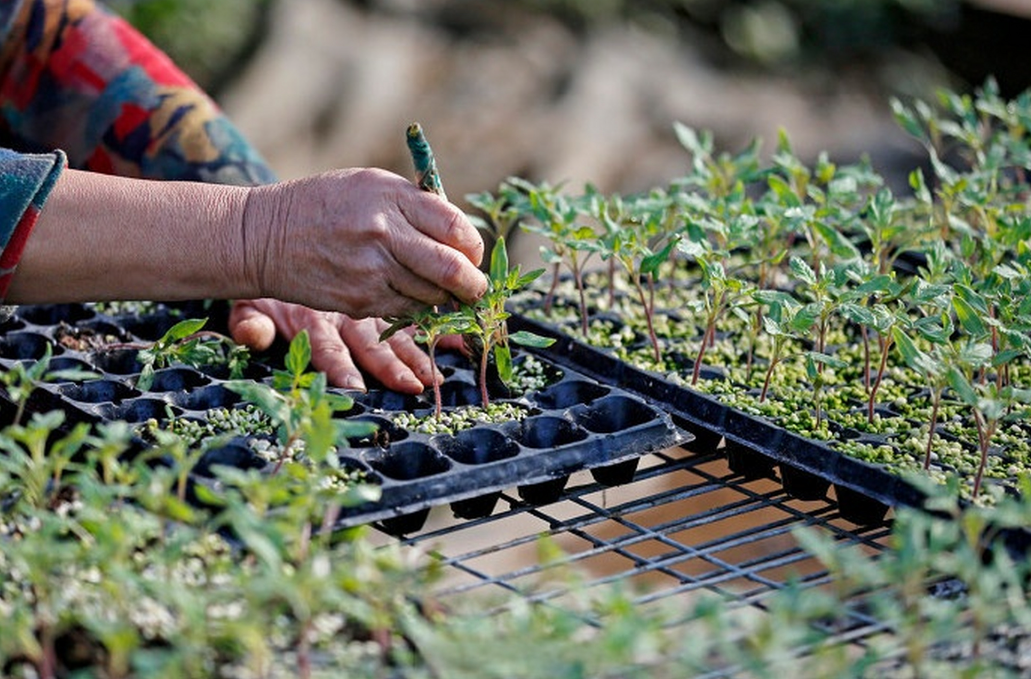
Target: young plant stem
<point>484,397</point>
<point>431,350</point>
<point>709,338</point>
<point>579,278</point>
<point>866,358</point>
<point>647,305</point>
<point>985,433</point>
<point>774,360</point>
<point>935,402</point>
<point>885,341</point>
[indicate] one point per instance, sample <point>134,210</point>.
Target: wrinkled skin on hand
<point>362,242</point>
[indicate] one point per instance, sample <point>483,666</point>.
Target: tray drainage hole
<point>386,433</point>
<point>234,455</point>
<point>478,446</point>
<point>205,398</point>
<point>25,345</point>
<point>178,379</point>
<point>548,432</point>
<point>52,314</point>
<point>409,460</point>
<point>615,413</point>
<point>117,361</point>
<point>99,391</point>
<point>570,393</point>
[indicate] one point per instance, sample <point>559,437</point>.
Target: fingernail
<point>354,382</point>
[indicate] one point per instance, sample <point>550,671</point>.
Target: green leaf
<point>499,261</point>
<point>968,317</point>
<point>802,271</point>
<point>529,339</point>
<point>182,329</point>
<point>299,355</point>
<point>503,360</point>
<point>651,263</point>
<point>961,385</point>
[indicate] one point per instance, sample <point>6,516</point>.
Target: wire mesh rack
<point>685,526</point>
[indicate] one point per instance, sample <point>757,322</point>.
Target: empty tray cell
<point>52,314</point>
<point>548,431</point>
<point>569,393</point>
<point>99,391</point>
<point>457,393</point>
<point>143,409</point>
<point>235,455</point>
<point>409,460</point>
<point>205,398</point>
<point>390,400</point>
<point>178,379</point>
<point>478,446</point>
<point>615,413</point>
<point>386,432</point>
<point>151,327</point>
<point>117,361</point>
<point>25,345</point>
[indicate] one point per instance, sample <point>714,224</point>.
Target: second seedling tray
<point>575,422</point>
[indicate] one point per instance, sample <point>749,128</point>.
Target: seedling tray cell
<point>755,447</point>
<point>573,423</point>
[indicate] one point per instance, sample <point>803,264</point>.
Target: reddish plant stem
<point>578,276</point>
<point>769,375</point>
<point>866,357</point>
<point>886,344</point>
<point>484,397</point>
<point>431,350</point>
<point>648,312</point>
<point>985,432</point>
<point>707,339</point>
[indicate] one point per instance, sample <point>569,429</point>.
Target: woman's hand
<point>339,345</point>
<point>363,242</point>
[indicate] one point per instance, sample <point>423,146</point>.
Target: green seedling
<point>432,326</point>
<point>188,343</point>
<point>300,407</point>
<point>21,379</point>
<point>488,319</point>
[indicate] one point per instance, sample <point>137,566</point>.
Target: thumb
<point>250,326</point>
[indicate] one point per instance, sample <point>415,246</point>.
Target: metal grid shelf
<point>684,526</point>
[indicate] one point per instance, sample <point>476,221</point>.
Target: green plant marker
<point>426,175</point>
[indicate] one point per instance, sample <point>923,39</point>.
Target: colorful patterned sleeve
<point>76,77</point>
<point>25,182</point>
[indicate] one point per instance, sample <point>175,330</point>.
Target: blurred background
<point>579,90</point>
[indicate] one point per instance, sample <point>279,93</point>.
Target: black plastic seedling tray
<point>755,447</point>
<point>576,422</point>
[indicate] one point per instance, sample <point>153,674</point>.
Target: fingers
<point>399,363</point>
<point>331,355</point>
<point>442,222</point>
<point>251,327</point>
<point>339,344</point>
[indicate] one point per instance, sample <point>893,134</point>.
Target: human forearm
<point>102,237</point>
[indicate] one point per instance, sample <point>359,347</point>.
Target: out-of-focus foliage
<point>773,32</point>
<point>208,40</point>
